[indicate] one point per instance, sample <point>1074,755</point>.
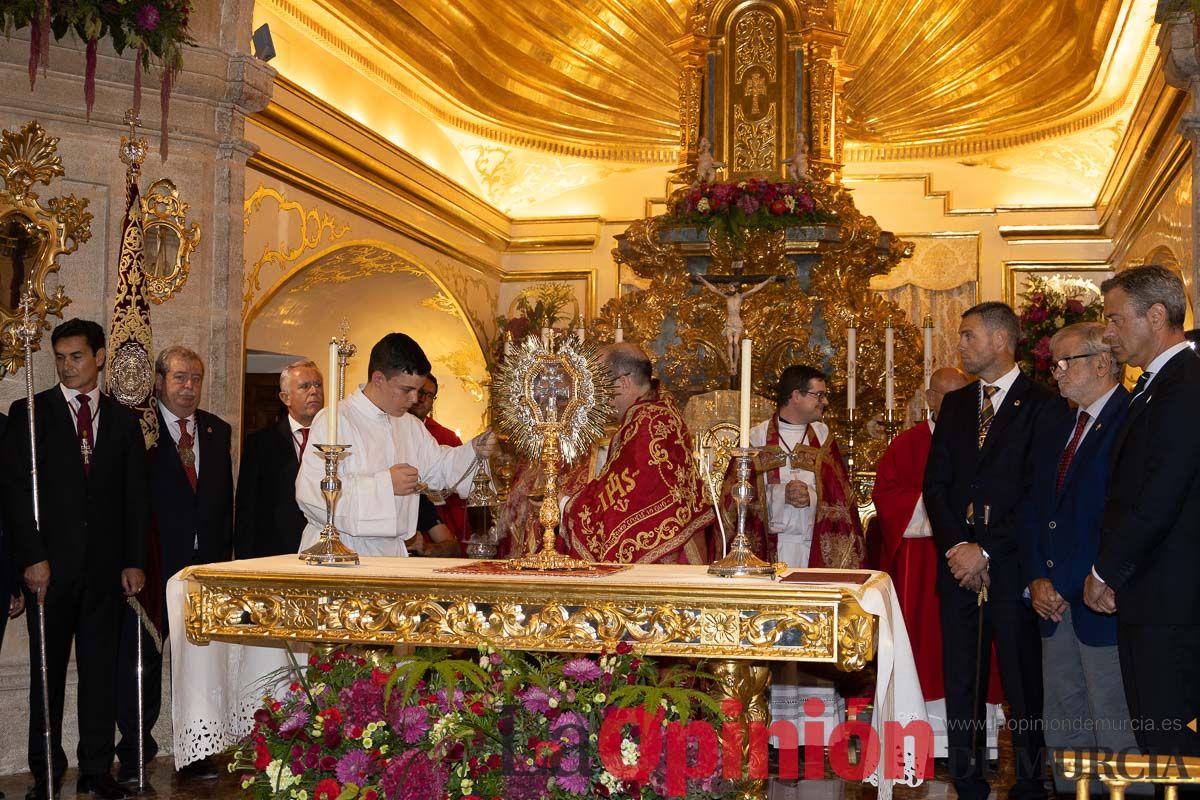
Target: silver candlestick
<point>329,548</point>
<point>741,560</point>
<point>345,352</point>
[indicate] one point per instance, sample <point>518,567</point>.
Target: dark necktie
<point>303,441</point>
<point>1064,463</point>
<point>83,427</point>
<point>987,412</point>
<point>1139,388</point>
<point>186,454</point>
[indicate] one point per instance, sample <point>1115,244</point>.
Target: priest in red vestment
<point>908,552</point>
<point>647,504</point>
<point>453,510</point>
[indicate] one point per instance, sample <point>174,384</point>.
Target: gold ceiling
<point>600,73</point>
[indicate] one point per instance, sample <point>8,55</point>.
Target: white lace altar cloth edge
<point>215,688</point>
<point>218,686</point>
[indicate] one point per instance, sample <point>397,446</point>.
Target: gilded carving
<point>352,262</point>
<point>315,228</point>
<point>753,142</point>
<point>33,235</point>
<point>755,45</point>
<point>167,240</point>
<point>529,618</point>
<point>689,108</point>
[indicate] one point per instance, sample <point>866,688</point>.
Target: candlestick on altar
<point>329,549</point>
<point>889,366</point>
<point>741,561</point>
<point>331,393</point>
<point>744,408</point>
<point>849,450</point>
<point>851,366</point>
<point>346,351</point>
<point>927,361</point>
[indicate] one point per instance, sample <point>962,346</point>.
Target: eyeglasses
<point>424,395</point>
<point>819,395</point>
<point>1062,364</point>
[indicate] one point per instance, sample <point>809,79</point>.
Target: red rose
<point>778,207</point>
<point>327,789</point>
<point>262,757</point>
<point>325,666</point>
<point>379,677</point>
<point>477,708</point>
<point>332,716</point>
<point>624,648</point>
<point>370,794</point>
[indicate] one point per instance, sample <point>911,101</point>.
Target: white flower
<point>280,776</point>
<point>599,698</point>
<point>246,784</point>
<point>629,752</point>
<point>483,662</point>
<point>467,785</point>
<point>790,203</point>
<point>610,781</point>
<point>703,206</point>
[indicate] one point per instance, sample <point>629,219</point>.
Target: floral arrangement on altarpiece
<point>518,726</point>
<point>730,209</point>
<point>538,308</point>
<point>1048,304</point>
<point>157,30</point>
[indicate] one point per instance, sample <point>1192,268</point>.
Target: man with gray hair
<point>646,505</point>
<point>268,520</point>
<point>1084,703</point>
<point>1149,554</point>
<point>191,504</point>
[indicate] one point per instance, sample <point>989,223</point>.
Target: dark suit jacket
<point>1149,543</point>
<point>93,524</point>
<point>960,473</point>
<point>10,578</point>
<point>1060,533</point>
<point>268,521</point>
<point>181,514</point>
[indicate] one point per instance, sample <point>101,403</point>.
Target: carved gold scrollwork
<point>856,639</point>
<point>755,44</point>
<point>802,631</point>
<point>33,236</point>
<point>754,141</point>
<point>167,239</point>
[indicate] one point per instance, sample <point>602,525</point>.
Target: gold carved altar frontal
<point>660,609</point>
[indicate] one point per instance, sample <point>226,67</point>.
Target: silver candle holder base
<point>329,550</point>
<point>741,562</point>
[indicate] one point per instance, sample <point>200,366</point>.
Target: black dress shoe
<point>204,769</point>
<point>38,790</point>
<point>102,786</point>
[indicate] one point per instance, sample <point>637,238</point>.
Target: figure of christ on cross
<point>734,327</point>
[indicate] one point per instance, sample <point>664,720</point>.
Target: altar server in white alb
<point>391,453</point>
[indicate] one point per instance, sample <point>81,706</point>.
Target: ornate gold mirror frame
<point>32,235</point>
<point>168,240</point>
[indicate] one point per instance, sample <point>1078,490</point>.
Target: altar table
<point>663,610</point>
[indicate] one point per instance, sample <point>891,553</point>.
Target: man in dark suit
<point>269,522</point>
<point>89,549</point>
<point>191,485</point>
<point>1060,533</point>
<point>976,475</point>
<point>1146,570</point>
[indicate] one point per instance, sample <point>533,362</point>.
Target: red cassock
<point>913,563</point>
<point>647,504</point>
<point>454,512</point>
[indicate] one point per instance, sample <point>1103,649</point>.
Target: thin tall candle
<point>889,366</point>
<point>927,329</point>
<point>744,415</point>
<point>619,334</point>
<point>331,395</point>
<point>851,367</point>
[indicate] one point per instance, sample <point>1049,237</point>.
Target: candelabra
<point>891,424</point>
<point>850,448</point>
<point>329,548</point>
<point>741,561</point>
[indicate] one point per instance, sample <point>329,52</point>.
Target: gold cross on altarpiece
<point>756,87</point>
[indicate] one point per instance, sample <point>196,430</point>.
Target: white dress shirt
<point>1004,383</point>
<point>72,398</point>
<point>173,428</point>
<point>793,526</point>
<point>372,520</point>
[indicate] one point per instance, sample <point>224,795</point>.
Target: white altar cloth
<point>217,686</point>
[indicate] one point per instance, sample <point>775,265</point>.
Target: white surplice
<point>794,526</point>
<point>373,521</point>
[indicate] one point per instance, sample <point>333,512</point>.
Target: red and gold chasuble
<point>647,504</point>
<point>837,541</point>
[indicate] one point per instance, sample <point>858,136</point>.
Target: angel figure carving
<point>734,327</point>
<point>797,165</point>
<point>706,166</point>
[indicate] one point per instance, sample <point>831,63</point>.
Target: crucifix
<point>756,86</point>
<point>733,295</point>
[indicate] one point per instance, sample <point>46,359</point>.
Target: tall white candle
<point>331,392</point>
<point>851,367</point>
<point>889,367</point>
<point>580,334</point>
<point>744,411</point>
<point>619,334</point>
<point>927,329</point>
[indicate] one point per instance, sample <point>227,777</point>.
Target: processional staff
<point>29,330</point>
